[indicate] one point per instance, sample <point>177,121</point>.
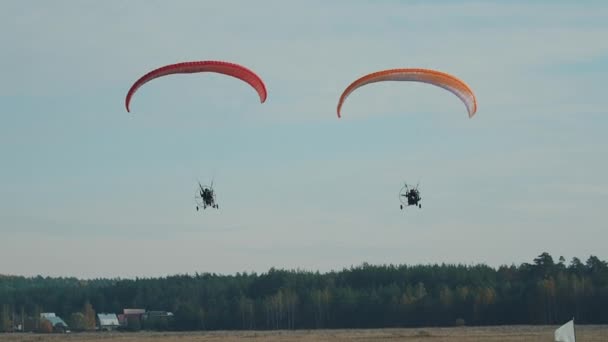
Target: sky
<point>89,190</point>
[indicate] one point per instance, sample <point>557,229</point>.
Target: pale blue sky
<point>89,190</point>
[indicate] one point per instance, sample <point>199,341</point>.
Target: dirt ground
<point>586,333</point>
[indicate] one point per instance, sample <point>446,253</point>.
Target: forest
<point>544,291</point>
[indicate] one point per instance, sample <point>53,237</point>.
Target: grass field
<point>587,333</point>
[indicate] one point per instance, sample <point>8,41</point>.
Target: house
<point>107,322</point>
<point>157,320</point>
<point>56,322</point>
<point>134,316</point>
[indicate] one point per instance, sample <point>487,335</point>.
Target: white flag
<point>565,333</point>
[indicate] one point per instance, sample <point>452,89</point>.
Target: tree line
<point>365,296</point>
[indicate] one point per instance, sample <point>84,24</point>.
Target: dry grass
<point>587,333</point>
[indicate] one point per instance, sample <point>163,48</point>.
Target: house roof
<point>134,311</point>
<point>158,314</point>
<point>107,319</point>
<point>55,320</point>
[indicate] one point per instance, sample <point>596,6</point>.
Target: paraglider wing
<point>437,78</point>
<point>225,68</point>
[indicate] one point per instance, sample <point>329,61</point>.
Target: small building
<point>132,316</point>
<point>56,322</point>
<point>157,320</point>
<point>107,321</point>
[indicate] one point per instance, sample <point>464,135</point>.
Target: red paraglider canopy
<point>221,67</point>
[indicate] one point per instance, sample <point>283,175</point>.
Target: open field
<point>588,333</point>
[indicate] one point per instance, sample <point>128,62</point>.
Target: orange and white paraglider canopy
<point>437,78</point>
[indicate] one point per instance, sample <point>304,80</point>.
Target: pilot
<point>411,197</point>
